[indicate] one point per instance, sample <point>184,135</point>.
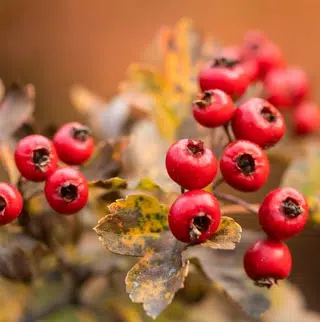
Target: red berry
<point>11,203</point>
<point>66,191</point>
<point>286,87</point>
<point>244,165</point>
<point>258,121</point>
<point>74,143</point>
<point>306,118</point>
<point>195,216</point>
<point>214,108</point>
<point>225,74</point>
<point>283,213</point>
<point>35,157</point>
<point>266,260</point>
<point>190,164</point>
<point>267,55</point>
<point>250,65</point>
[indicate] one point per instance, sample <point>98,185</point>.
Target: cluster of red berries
<point>256,124</point>
<point>233,69</point>
<point>36,157</point>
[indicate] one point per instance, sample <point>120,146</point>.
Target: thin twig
<point>217,183</point>
<point>238,201</point>
<point>237,209</point>
<point>226,129</point>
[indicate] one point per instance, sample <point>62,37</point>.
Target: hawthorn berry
<point>11,203</point>
<point>66,191</point>
<point>250,65</point>
<point>286,87</point>
<point>244,165</point>
<point>267,55</point>
<point>258,121</point>
<point>267,261</point>
<point>74,143</point>
<point>283,213</point>
<point>35,157</point>
<point>214,108</point>
<point>190,164</point>
<point>306,118</point>
<point>195,216</point>
<point>225,74</point>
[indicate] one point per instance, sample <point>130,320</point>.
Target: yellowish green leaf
<point>111,184</point>
<point>138,226</point>
<point>227,235</point>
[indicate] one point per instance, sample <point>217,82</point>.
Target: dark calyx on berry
<point>291,208</point>
<point>265,282</point>
<point>199,224</point>
<point>69,192</point>
<point>246,164</point>
<point>268,115</point>
<point>41,158</point>
<point>3,204</point>
<point>195,147</point>
<point>205,100</point>
<point>224,62</point>
<point>81,133</point>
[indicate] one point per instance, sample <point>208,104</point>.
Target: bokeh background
<point>54,44</point>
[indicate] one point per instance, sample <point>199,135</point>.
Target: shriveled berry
<point>214,108</point>
<point>244,165</point>
<point>283,213</point>
<point>306,118</point>
<point>225,74</point>
<point>74,143</point>
<point>11,203</point>
<point>66,191</point>
<point>35,157</point>
<point>258,121</point>
<point>190,164</point>
<point>267,261</point>
<point>195,216</point>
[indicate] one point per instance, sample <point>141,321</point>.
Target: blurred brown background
<point>54,44</point>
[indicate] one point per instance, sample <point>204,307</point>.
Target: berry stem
<point>238,201</point>
<point>218,183</point>
<point>182,190</point>
<point>227,131</point>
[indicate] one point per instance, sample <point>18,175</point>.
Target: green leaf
<point>138,226</point>
<point>227,235</point>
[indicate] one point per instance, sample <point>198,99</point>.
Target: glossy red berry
<point>244,166</point>
<point>35,157</point>
<point>11,203</point>
<point>283,213</point>
<point>226,75</point>
<point>195,216</point>
<point>258,121</point>
<point>267,261</point>
<point>249,65</point>
<point>214,108</point>
<point>306,118</point>
<point>286,87</point>
<point>66,191</point>
<point>74,143</point>
<point>190,164</point>
<point>267,55</point>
